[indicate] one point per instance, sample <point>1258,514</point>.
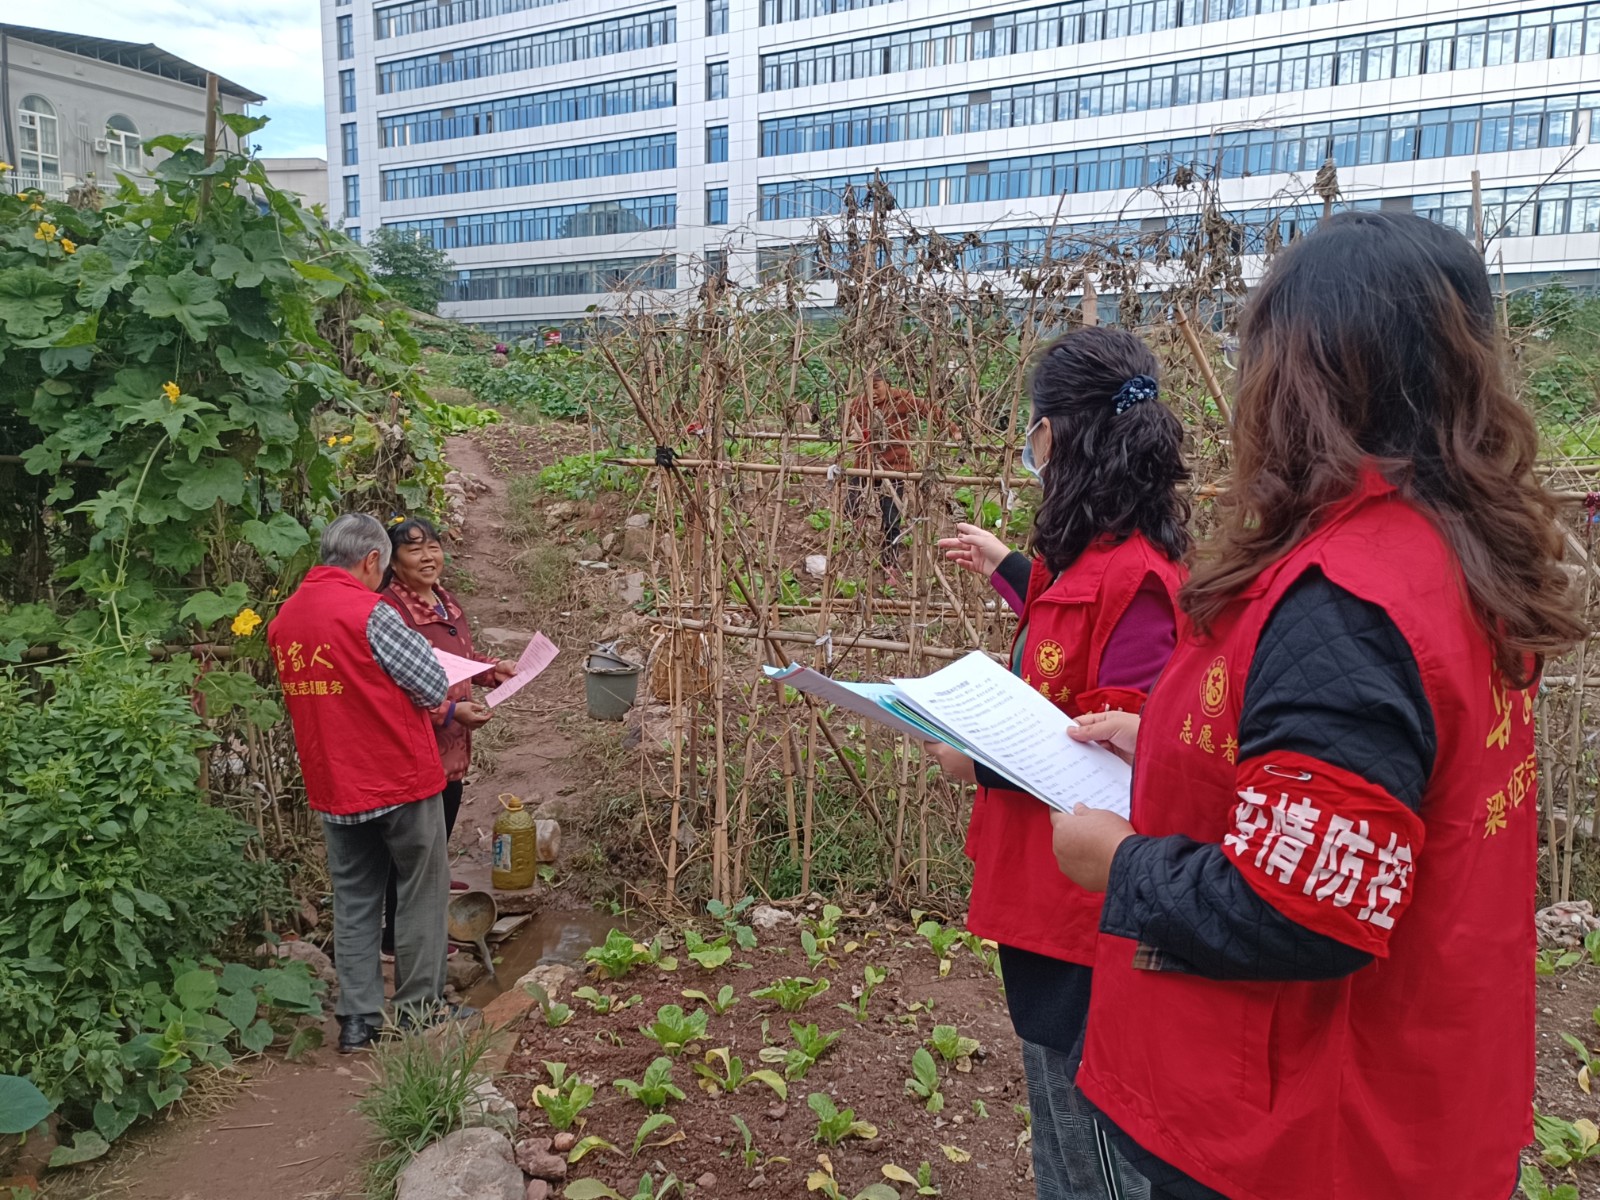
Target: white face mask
<point>1036,469</point>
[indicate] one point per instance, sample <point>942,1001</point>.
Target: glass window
<point>353,232</point>
<point>616,98</point>
<point>352,195</point>
<point>532,168</point>
<point>562,279</point>
<point>344,35</point>
<point>717,80</point>
<point>38,143</point>
<point>347,91</point>
<point>716,206</point>
<point>347,144</point>
<point>122,144</point>
<point>716,143</point>
<point>716,17</point>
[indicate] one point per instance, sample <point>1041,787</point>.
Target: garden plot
<point>839,1055</point>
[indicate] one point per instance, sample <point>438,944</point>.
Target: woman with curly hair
<point>1313,977</point>
<point>1095,626</point>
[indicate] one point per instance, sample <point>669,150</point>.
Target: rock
<point>564,1141</point>
<point>1563,926</point>
<point>632,585</point>
<point>757,1182</point>
<point>816,565</point>
<point>321,965</point>
<point>767,918</point>
<point>488,1109</point>
<point>535,1158</point>
<point>558,513</point>
<point>590,550</point>
<point>463,970</point>
<point>470,1164</point>
<point>510,638</point>
<point>538,1189</point>
<point>637,521</point>
<point>777,1112</point>
<point>636,543</point>
<point>552,977</point>
<point>708,1180</point>
<point>608,543</point>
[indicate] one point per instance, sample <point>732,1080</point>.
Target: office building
<point>554,149</point>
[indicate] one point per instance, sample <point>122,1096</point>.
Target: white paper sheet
<point>1009,723</point>
<point>457,668</point>
<point>863,699</point>
<point>539,653</point>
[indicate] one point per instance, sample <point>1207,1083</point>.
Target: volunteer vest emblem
<point>1214,688</point>
<point>1050,658</point>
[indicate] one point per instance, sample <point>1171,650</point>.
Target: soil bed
<point>864,1070</point>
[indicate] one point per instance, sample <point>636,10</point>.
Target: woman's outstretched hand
<point>1085,841</point>
<point>975,549</point>
<point>951,761</point>
<point>1116,731</point>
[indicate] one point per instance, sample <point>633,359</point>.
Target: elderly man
<point>359,687</point>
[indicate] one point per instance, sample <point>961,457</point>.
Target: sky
<point>273,47</point>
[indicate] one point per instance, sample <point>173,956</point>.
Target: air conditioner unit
<point>102,145</point>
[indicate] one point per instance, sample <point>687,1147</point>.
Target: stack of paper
<point>991,716</point>
<point>538,654</point>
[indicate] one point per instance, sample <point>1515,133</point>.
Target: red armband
<point>1326,848</point>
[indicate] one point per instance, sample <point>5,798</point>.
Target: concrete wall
<point>305,177</point>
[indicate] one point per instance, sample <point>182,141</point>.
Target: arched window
<point>122,142</point>
<point>39,143</point>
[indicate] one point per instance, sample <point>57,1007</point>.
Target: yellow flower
<point>35,207</point>
<point>45,232</point>
<point>70,246</point>
<point>346,440</point>
<point>5,166</point>
<point>171,390</point>
<point>245,623</point>
<point>332,441</point>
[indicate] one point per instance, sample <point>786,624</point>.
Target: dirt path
<point>291,1131</point>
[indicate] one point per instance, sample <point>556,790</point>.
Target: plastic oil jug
<point>516,846</point>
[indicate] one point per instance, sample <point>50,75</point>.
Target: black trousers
<point>891,495</point>
<point>391,895</point>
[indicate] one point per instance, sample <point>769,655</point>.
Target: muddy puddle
<point>548,937</point>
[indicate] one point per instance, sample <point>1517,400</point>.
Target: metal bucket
<point>610,683</point>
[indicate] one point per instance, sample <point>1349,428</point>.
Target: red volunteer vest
<point>1019,895</point>
<point>1413,1076</point>
<point>363,744</point>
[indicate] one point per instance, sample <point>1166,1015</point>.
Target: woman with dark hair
<point>1096,624</point>
<point>412,588</point>
<point>1314,979</point>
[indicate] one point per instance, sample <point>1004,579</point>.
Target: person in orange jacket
<point>883,424</point>
<point>1096,607</point>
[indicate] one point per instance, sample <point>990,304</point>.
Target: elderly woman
<point>412,588</point>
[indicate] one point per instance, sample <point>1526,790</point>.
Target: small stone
<point>469,1164</point>
<point>632,585</point>
<point>590,550</point>
<point>552,977</point>
<point>490,1109</point>
<point>608,543</point>
<point>561,512</point>
<point>756,1183</point>
<point>535,1158</point>
<point>708,1180</point>
<point>637,521</point>
<point>538,1189</point>
<point>564,1141</point>
<point>777,1112</point>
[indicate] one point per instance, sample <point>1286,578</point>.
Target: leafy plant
<point>22,1106</point>
<point>604,1004</point>
<point>650,1124</point>
<point>922,1180</point>
<point>826,927</point>
<point>564,1097</point>
<point>1532,1184</point>
<point>672,1029</point>
<point>952,1047</point>
<point>943,940</point>
<point>835,1124</point>
<point>751,1156</point>
<point>733,1076</point>
<point>655,1089</point>
<point>872,979</point>
<point>422,1089</point>
<point>810,1045</point>
<point>743,935</point>
<point>1591,946</point>
<point>825,1182</point>
<point>1563,1143</point>
<point>410,266</point>
<point>792,992</point>
<point>809,946</point>
<point>586,476</point>
<point>1587,1062</point>
<point>924,1081</point>
<point>725,998</point>
<point>594,1189</point>
<point>617,955</point>
<point>1548,962</point>
<point>709,955</point>
<point>980,1110</point>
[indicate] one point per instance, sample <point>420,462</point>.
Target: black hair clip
<point>1140,387</point>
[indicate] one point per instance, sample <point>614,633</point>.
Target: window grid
<point>418,16</point>
<point>561,279</point>
<point>533,167</point>
<point>576,43</point>
<point>716,206</point>
<point>353,232</point>
<point>349,147</point>
<point>716,17</point>
<point>344,36</point>
<point>631,214</point>
<point>352,195</point>
<point>347,91</point>
<point>717,80</point>
<point>1390,54</point>
<point>716,143</point>
<point>616,97</point>
<point>1547,211</point>
<point>1391,137</point>
<point>776,12</point>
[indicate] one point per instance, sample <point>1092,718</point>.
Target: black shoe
<point>356,1033</point>
<point>440,1013</point>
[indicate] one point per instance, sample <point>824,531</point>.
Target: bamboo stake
<point>1192,339</point>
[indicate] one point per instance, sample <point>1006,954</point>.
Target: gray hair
<point>350,538</point>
